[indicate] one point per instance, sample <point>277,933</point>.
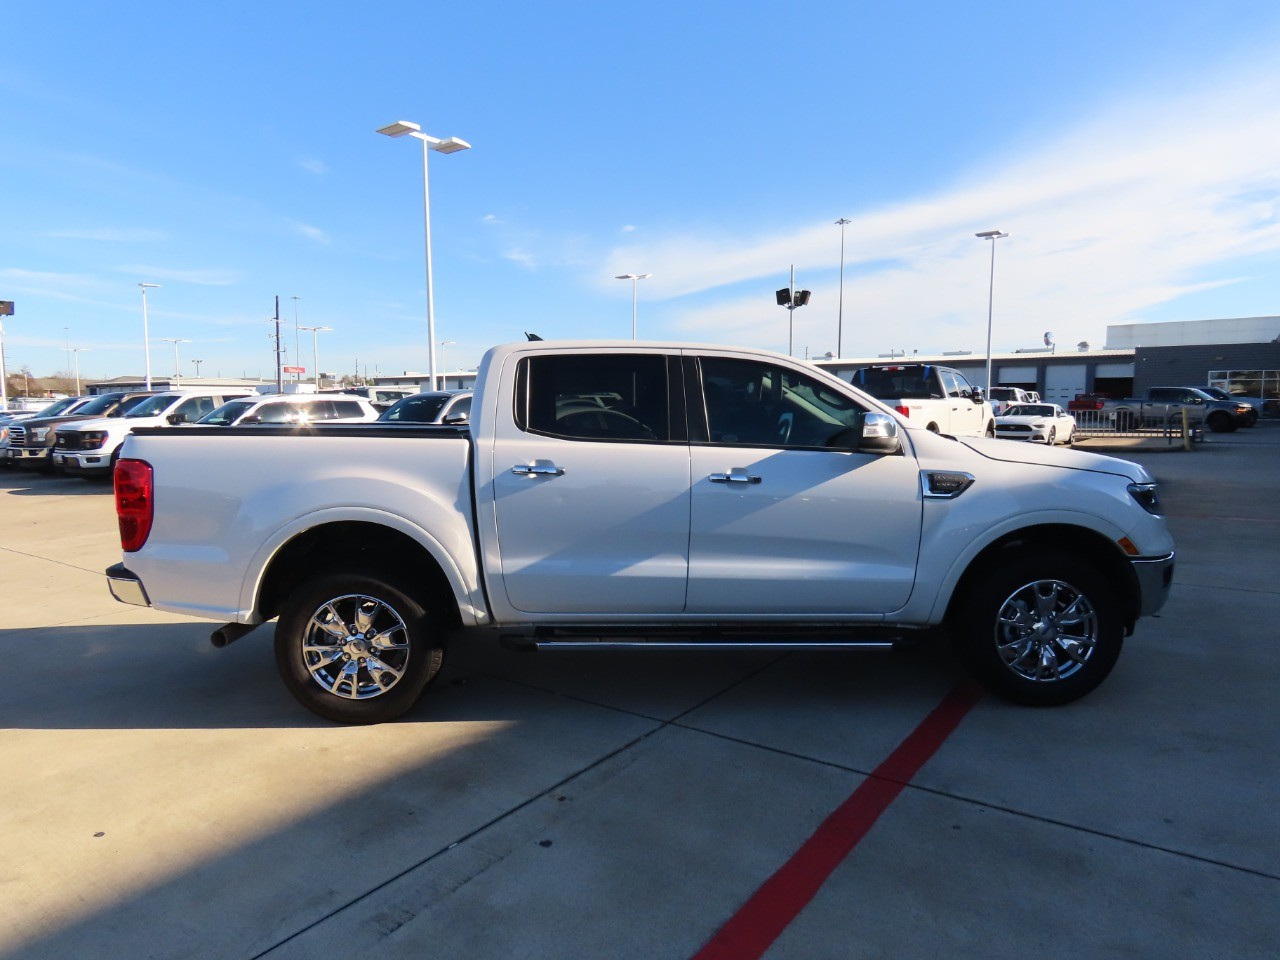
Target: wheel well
<point>1093,548</point>
<point>353,544</point>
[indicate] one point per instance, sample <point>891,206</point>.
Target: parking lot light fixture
<point>177,369</point>
<point>77,351</point>
<point>993,236</point>
<point>634,278</point>
<point>406,128</point>
<point>146,335</point>
<point>315,349</point>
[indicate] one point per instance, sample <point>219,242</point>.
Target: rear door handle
<point>736,475</point>
<point>539,468</point>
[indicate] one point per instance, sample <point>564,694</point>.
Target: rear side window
<point>345,408</point>
<point>608,397</point>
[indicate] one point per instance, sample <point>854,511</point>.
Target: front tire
<point>991,428</point>
<point>1221,423</point>
<point>1039,629</point>
<point>358,647</point>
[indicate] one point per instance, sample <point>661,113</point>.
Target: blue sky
<point>227,152</point>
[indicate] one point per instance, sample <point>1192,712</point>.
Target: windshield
<point>99,405</point>
<point>56,408</point>
<point>423,409</point>
<point>154,406</point>
<point>227,413</point>
<point>1030,410</point>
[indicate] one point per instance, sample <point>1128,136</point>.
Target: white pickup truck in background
<point>643,495</point>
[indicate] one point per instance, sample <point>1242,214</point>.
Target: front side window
<point>618,397</point>
<point>154,406</point>
<point>751,403</point>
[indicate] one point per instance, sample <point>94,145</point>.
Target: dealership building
<point>1241,355</point>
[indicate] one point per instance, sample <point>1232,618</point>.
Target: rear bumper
<point>126,587</point>
<point>1155,578</point>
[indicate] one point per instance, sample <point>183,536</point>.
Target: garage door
<point>1063,382</point>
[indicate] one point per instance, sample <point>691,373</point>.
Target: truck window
<point>594,397</point>
<point>756,404</point>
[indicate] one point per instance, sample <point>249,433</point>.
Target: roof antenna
<point>531,336</point>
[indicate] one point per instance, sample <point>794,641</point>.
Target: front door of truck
<point>591,488</point>
<point>782,523</point>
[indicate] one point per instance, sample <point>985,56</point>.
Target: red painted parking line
<point>761,920</point>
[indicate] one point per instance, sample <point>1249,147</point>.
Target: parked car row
<point>84,435</point>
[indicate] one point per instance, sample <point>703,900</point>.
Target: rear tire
<point>1221,422</point>
<point>991,428</point>
<point>358,646</point>
<point>1039,629</point>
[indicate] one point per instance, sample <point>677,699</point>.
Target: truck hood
<point>1013,451</point>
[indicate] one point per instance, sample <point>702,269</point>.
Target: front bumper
<point>83,463</point>
<point>1155,578</point>
<point>28,454</point>
<point>126,587</point>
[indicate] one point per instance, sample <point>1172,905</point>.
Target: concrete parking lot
<point>161,798</point>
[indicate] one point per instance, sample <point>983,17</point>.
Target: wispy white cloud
<point>310,232</point>
<point>1147,203</point>
<point>523,257</point>
<point>627,228</point>
<point>311,165</point>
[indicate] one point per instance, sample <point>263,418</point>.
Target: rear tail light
<point>903,410</point>
<point>134,502</point>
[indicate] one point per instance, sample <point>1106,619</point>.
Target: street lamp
<point>404,128</point>
<point>146,337</point>
<point>840,313</point>
<point>177,370</point>
<point>77,351</point>
<point>297,346</point>
<point>315,348</point>
<point>993,236</point>
<point>197,363</point>
<point>791,298</point>
<point>444,367</point>
<point>635,278</point>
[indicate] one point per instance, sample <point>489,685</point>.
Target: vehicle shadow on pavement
<point>169,676</point>
<point>28,483</point>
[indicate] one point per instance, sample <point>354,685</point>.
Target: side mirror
<point>251,418</point>
<point>456,418</point>
<point>176,418</point>
<point>879,434</point>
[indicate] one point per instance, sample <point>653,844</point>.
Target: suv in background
<point>91,447</point>
<point>300,408</point>
<point>1255,403</point>
<point>380,397</point>
<point>31,441</point>
<point>937,398</point>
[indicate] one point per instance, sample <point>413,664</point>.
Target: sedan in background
<point>452,406</point>
<point>1044,423</point>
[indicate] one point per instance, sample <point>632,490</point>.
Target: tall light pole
<point>197,363</point>
<point>404,128</point>
<point>791,298</point>
<point>297,344</point>
<point>315,348</point>
<point>146,335</point>
<point>635,278</point>
<point>841,223</point>
<point>177,370</point>
<point>6,310</point>
<point>993,236</point>
<point>444,367</point>
<point>77,351</point>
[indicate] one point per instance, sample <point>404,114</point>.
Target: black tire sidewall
<point>973,628</point>
<point>426,646</point>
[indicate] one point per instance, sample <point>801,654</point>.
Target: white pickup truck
<point>640,495</point>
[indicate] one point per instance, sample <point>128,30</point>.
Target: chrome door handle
<point>539,468</point>
<point>736,475</point>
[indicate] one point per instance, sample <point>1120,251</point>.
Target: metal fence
<point>1151,421</point>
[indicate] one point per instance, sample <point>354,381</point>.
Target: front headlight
<point>1147,495</point>
<point>40,433</point>
<point>92,439</point>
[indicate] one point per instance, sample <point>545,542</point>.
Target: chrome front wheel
<point>1039,629</point>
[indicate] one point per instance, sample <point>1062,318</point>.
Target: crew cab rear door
<point>590,484</point>
<point>782,523</point>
